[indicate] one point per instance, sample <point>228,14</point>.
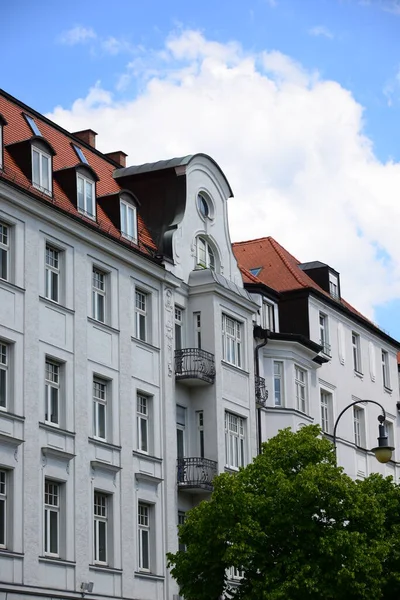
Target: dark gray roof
<point>316,264</point>
<point>178,161</point>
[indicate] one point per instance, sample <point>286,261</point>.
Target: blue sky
<point>325,69</point>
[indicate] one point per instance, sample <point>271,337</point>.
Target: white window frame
<point>178,328</point>
<point>326,408</point>
<point>100,407</point>
<point>200,432</point>
<point>334,286</point>
<point>4,485</point>
<point>279,376</point>
<point>144,536</point>
<point>38,177</point>
<point>197,329</point>
<point>205,255</point>
<point>235,441</point>
<point>268,316</point>
<point>128,216</point>
<point>142,419</point>
<point>4,374</point>
<point>101,511</point>
<point>232,341</point>
<point>52,273</point>
<point>52,496</point>
<point>359,426</point>
<point>385,370</point>
<point>99,294</point>
<point>301,386</point>
<point>324,333</point>
<point>83,201</point>
<point>52,392</point>
<point>141,315</point>
<point>356,347</point>
<point>5,247</point>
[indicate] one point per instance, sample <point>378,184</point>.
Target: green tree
<point>296,526</point>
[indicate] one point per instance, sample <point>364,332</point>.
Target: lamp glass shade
<point>383,453</point>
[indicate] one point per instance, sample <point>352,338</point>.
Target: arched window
<point>205,254</point>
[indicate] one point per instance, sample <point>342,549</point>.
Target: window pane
<point>54,405</point>
<point>3,264</point>
<point>145,550</point>
<point>53,532</point>
<point>143,434</point>
<point>180,443</point>
<point>36,167</point>
<point>2,522</point>
<point>102,541</point>
<point>142,327</point>
<point>3,388</point>
<point>102,420</point>
<point>81,198</point>
<point>45,172</point>
<point>89,197</point>
<point>100,308</point>
<point>123,218</point>
<point>54,286</point>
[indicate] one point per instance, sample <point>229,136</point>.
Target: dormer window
<point>41,170</point>
<point>333,286</point>
<point>86,196</point>
<point>205,254</point>
<point>128,220</point>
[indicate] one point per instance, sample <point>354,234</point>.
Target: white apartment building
<point>126,360</point>
<point>321,356</point>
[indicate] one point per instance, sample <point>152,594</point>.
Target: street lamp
<point>383,452</point>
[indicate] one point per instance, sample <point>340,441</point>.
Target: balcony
<point>326,348</point>
<point>196,474</point>
<point>261,391</point>
<point>194,366</point>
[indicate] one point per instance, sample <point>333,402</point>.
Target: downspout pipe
<point>259,333</point>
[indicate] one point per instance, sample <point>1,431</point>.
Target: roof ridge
<point>252,241</point>
<point>277,247</point>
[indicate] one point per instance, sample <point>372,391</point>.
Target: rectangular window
<point>355,341</point>
<point>99,409</point>
<point>359,426</point>
<point>142,413</point>
<point>268,317</point>
<point>52,397</point>
<point>326,411</point>
<point>51,517</point>
<point>100,526</point>
<point>128,221</point>
<point>141,315</point>
<point>144,536</point>
<point>4,366</point>
<point>385,369</point>
<point>232,341</point>
<point>180,430</point>
<point>324,334</point>
<point>200,432</point>
<point>86,196</point>
<point>4,251</point>
<point>197,329</point>
<point>41,170</point>
<point>52,273</point>
<point>278,383</point>
<point>99,295</point>
<point>3,508</point>
<point>234,441</point>
<point>301,389</point>
<point>333,286</point>
<point>181,521</point>
<point>178,328</point>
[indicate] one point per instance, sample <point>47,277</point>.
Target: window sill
<point>102,325</point>
<point>234,367</point>
<point>147,575</point>
<point>105,568</point>
<point>358,374</point>
<point>9,415</point>
<point>10,553</point>
<point>57,560</point>
<point>104,444</point>
<point>144,343</point>
<point>8,284</point>
<point>55,428</point>
<point>146,456</point>
<point>55,304</point>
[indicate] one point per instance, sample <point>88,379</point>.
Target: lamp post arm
<point>349,406</point>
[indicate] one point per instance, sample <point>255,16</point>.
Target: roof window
<point>255,271</point>
<point>80,154</point>
<point>32,125</point>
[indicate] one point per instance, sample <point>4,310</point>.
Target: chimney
<point>118,157</point>
<point>87,135</point>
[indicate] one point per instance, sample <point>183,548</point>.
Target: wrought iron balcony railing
<point>261,391</point>
<point>194,363</point>
<point>326,348</point>
<point>196,473</point>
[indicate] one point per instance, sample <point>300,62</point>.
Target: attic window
<point>32,125</point>
<point>128,220</point>
<point>255,271</point>
<point>80,154</point>
<point>334,286</point>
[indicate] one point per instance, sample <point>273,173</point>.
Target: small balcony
<point>261,391</point>
<point>196,474</point>
<point>326,348</point>
<point>194,366</point>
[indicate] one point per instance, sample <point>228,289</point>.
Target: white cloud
<point>292,145</point>
<point>77,35</point>
<point>321,31</point>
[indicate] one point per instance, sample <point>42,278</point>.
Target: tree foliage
<point>296,526</point>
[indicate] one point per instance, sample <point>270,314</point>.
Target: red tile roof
<point>280,269</point>
<point>18,130</point>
